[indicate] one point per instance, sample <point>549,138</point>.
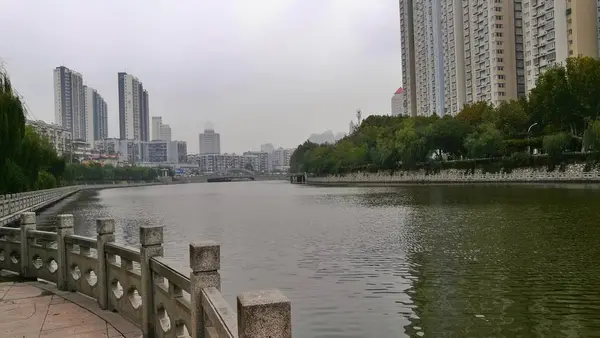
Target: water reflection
<point>437,261</point>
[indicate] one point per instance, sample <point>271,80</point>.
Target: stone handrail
<point>12,205</point>
<point>592,176</point>
<point>138,283</point>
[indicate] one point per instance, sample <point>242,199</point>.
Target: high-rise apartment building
<point>456,52</point>
<point>556,30</point>
<point>69,97</point>
<point>490,51</point>
<point>210,142</point>
<point>96,116</point>
<point>134,119</point>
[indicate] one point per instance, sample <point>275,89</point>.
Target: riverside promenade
<point>60,284</point>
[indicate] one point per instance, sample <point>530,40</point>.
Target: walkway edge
<point>121,324</point>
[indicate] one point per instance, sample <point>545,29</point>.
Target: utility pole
<point>358,117</point>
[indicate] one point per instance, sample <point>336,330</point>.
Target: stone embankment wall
<point>572,174</point>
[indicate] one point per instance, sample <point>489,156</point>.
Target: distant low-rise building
<point>58,136</point>
<point>259,160</point>
<point>398,102</point>
<point>211,163</point>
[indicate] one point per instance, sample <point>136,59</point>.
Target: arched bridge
<point>232,174</point>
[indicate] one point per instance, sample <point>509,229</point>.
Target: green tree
<point>591,140</point>
<point>485,142</point>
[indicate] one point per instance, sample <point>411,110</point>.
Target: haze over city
<point>259,71</point>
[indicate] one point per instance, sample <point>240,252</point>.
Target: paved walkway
<point>34,309</point>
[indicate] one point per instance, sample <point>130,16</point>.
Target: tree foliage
<point>564,107</point>
<point>27,161</point>
<point>96,172</point>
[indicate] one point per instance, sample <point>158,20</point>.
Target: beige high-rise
<point>555,30</point>
<point>463,51</point>
<point>456,52</point>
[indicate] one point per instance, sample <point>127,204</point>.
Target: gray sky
<point>259,70</point>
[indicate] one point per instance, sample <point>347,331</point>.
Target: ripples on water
<point>435,261</point>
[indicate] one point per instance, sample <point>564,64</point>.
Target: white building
<point>134,121</point>
<point>211,163</point>
<point>397,105</point>
<point>160,131</point>
<point>210,142</point>
<point>156,123</point>
<point>57,135</point>
<point>165,132</point>
<point>69,97</point>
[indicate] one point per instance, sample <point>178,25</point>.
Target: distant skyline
<point>260,71</point>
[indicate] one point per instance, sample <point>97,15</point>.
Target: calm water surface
<point>433,261</point>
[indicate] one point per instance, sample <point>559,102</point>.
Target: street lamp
<point>528,130</point>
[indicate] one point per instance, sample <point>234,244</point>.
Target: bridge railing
<point>138,283</point>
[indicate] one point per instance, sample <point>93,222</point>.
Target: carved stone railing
<point>138,283</point>
<point>384,178</point>
<point>12,205</point>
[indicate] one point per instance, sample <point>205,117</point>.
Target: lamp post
<point>528,130</point>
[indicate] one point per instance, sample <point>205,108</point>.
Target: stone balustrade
<point>138,283</point>
<point>12,205</point>
<point>458,177</point>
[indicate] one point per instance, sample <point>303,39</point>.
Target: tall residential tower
<point>96,116</point>
<point>134,117</point>
<point>69,97</point>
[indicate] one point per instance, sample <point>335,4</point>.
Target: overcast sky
<point>258,70</point>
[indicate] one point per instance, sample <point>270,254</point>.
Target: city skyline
<point>232,63</point>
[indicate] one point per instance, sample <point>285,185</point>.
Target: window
<point>500,77</point>
<point>499,25</point>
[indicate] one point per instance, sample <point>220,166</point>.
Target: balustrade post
<point>27,223</point>
<point>105,228</point>
<point>205,262</point>
<point>151,239</point>
<point>264,314</point>
<point>65,227</point>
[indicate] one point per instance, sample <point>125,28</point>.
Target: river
<point>433,261</point>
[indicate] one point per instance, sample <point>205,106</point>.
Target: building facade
<point>260,161</point>
<point>212,163</point>
<point>134,119</point>
<point>156,123</point>
<point>96,116</point>
<point>69,98</point>
<point>210,142</point>
<point>397,103</point>
<point>57,135</point>
<point>555,30</point>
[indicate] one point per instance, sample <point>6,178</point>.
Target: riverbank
<point>571,174</point>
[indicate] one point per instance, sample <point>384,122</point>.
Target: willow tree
<point>12,130</point>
